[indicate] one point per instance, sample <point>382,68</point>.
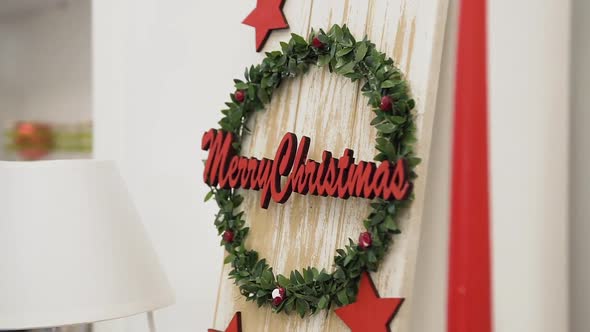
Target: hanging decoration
<point>234,326</point>
<point>388,185</point>
<point>267,16</point>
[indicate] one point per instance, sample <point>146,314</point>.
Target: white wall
<point>158,86</point>
<point>580,159</point>
<point>10,95</point>
<point>45,64</point>
<point>529,117</point>
<point>162,70</point>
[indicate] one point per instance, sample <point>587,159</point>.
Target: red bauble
<point>317,43</point>
<point>33,140</point>
<point>365,240</point>
<point>386,103</point>
<point>240,96</point>
<point>228,236</point>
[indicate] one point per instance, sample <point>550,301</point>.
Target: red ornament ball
<point>317,43</point>
<point>240,96</point>
<point>365,240</point>
<point>228,236</point>
<point>279,295</point>
<point>386,103</point>
<point>33,140</point>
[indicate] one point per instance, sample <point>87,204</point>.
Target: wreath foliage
<point>311,289</point>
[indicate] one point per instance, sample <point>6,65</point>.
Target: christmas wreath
<point>311,289</point>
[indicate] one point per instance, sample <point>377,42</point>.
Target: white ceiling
<point>19,8</point>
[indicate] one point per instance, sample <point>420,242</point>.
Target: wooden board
<point>330,109</point>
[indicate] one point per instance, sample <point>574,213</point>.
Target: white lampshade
<point>72,247</point>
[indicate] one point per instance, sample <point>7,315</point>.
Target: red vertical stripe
<point>469,301</point>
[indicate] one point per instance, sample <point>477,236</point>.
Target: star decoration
<point>268,15</point>
<point>234,326</point>
<point>369,312</point>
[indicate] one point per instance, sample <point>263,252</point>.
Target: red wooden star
<point>369,312</point>
<point>234,326</point>
<point>267,16</point>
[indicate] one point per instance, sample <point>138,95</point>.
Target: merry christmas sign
<point>319,162</point>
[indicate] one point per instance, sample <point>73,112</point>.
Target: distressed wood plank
<point>330,110</point>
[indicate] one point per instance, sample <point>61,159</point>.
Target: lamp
<point>72,247</point>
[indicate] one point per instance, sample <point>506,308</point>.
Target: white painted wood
<point>329,109</point>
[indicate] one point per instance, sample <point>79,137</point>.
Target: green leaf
<point>387,84</point>
<point>390,224</point>
<point>347,68</point>
<point>324,59</point>
<point>397,119</point>
<point>414,161</point>
<point>263,96</point>
<point>391,208</point>
<point>302,307</point>
<point>323,277</point>
<point>229,259</point>
<point>386,128</point>
<point>342,297</point>
<point>360,51</point>
<point>323,302</point>
<point>339,274</point>
<point>241,86</point>
<point>208,196</point>
<point>344,51</point>
<point>283,281</point>
<point>298,39</point>
<point>376,120</point>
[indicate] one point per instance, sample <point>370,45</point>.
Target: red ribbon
<point>469,297</point>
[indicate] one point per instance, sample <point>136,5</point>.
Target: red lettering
<point>340,178</point>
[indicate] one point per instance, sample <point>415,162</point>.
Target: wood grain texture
<point>330,109</point>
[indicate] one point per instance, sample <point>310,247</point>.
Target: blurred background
<point>45,79</point>
<point>137,82</point>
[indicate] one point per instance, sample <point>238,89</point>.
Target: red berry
<point>279,295</point>
<point>386,103</point>
<point>240,96</point>
<point>317,43</point>
<point>228,236</point>
<point>279,292</point>
<point>365,240</point>
<point>277,301</point>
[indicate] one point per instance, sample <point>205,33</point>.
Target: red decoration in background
<point>267,16</point>
<point>469,298</point>
<point>234,326</point>
<point>32,140</point>
<point>369,312</point>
